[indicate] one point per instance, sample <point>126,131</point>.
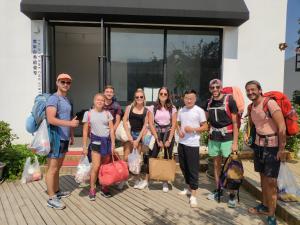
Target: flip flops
<point>259,209</point>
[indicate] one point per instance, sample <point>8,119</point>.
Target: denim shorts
<point>135,134</point>
<point>63,149</point>
<point>265,161</point>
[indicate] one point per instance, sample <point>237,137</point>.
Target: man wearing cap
<point>223,133</point>
<point>58,112</point>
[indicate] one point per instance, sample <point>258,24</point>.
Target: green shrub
<point>14,158</point>
<point>6,136</point>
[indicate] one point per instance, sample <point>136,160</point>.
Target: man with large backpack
<point>267,117</point>
<point>58,114</point>
<point>221,112</point>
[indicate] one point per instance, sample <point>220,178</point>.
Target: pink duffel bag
<point>113,172</point>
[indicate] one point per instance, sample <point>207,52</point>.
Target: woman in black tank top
<point>136,115</point>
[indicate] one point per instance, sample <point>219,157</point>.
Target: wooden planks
<point>27,204</point>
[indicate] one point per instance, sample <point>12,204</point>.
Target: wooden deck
<point>26,204</point>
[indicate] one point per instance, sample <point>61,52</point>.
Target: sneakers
<point>143,184</point>
<point>185,191</point>
<point>92,194</point>
<point>214,195</point>
<point>63,194</point>
<point>165,187</point>
<point>121,185</point>
<point>137,183</point>
<point>105,192</point>
<point>55,203</point>
<point>193,202</point>
<point>231,202</point>
<point>271,220</point>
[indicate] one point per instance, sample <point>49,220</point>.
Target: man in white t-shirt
<point>191,121</point>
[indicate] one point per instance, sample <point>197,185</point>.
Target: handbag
<point>113,172</point>
<point>162,169</point>
<point>121,133</point>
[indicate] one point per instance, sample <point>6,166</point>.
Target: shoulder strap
<point>209,103</point>
<point>154,110</point>
<point>265,106</point>
<point>226,104</point>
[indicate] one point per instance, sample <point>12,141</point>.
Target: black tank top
<point>137,120</point>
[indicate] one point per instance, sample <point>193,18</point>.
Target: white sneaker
<point>137,183</point>
<point>193,202</point>
<point>121,185</point>
<point>165,187</point>
<point>185,192</point>
<point>143,184</point>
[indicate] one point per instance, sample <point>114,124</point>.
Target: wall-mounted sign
<point>37,50</point>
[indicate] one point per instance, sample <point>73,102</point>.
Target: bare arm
<point>151,125</point>
<point>112,134</point>
<point>279,121</point>
<point>85,131</point>
<point>235,132</point>
<point>173,127</point>
<point>125,120</point>
<point>51,118</point>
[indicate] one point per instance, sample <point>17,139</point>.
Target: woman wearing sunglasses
<point>162,123</point>
<point>136,115</point>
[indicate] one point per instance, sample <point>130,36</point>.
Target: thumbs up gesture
<point>74,122</point>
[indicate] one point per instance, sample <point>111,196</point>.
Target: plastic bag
<point>134,161</point>
<point>83,170</point>
<point>149,140</point>
<point>40,142</point>
<point>31,172</point>
<point>288,188</point>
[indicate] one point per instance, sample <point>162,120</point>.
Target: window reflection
<point>136,60</point>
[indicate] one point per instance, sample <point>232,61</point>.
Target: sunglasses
<point>65,82</point>
<point>137,97</point>
<point>163,94</point>
<point>215,87</point>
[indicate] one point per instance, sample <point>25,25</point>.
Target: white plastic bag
<point>83,170</point>
<point>121,133</point>
<point>288,188</point>
<point>134,161</point>
<point>40,142</point>
<point>31,172</point>
<point>149,140</point>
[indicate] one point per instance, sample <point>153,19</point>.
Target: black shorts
<point>265,161</point>
<point>63,149</point>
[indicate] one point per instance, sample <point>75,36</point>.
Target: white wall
<point>18,85</point>
<point>251,51</point>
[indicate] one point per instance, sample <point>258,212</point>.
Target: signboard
<point>37,50</point>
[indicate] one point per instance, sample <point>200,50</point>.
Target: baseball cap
<point>63,76</point>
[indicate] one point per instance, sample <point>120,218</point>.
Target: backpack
<point>232,175</point>
<point>289,113</point>
<point>239,100</point>
<point>38,113</point>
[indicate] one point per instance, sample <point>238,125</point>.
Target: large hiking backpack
<point>38,113</point>
<point>239,100</point>
<point>232,175</point>
<point>289,113</point>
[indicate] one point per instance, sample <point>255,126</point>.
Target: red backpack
<point>289,113</point>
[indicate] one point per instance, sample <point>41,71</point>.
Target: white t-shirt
<point>191,117</point>
<point>98,122</point>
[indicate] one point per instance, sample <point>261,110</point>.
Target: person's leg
<point>96,159</point>
<point>183,162</point>
<point>192,160</point>
<point>217,170</point>
<point>53,168</point>
<point>263,188</point>
<point>271,194</point>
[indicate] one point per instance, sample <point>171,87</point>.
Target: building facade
<point>132,44</point>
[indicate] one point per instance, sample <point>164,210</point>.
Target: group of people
<point>163,120</point>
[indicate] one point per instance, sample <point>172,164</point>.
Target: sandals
<point>259,209</point>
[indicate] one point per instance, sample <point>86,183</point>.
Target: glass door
<point>136,61</point>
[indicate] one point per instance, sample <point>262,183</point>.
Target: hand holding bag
<point>134,161</point>
<point>162,169</point>
<point>113,172</point>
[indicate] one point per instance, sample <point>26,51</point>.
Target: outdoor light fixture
<point>282,46</point>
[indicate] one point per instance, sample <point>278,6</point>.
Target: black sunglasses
<point>65,82</point>
<point>137,97</point>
